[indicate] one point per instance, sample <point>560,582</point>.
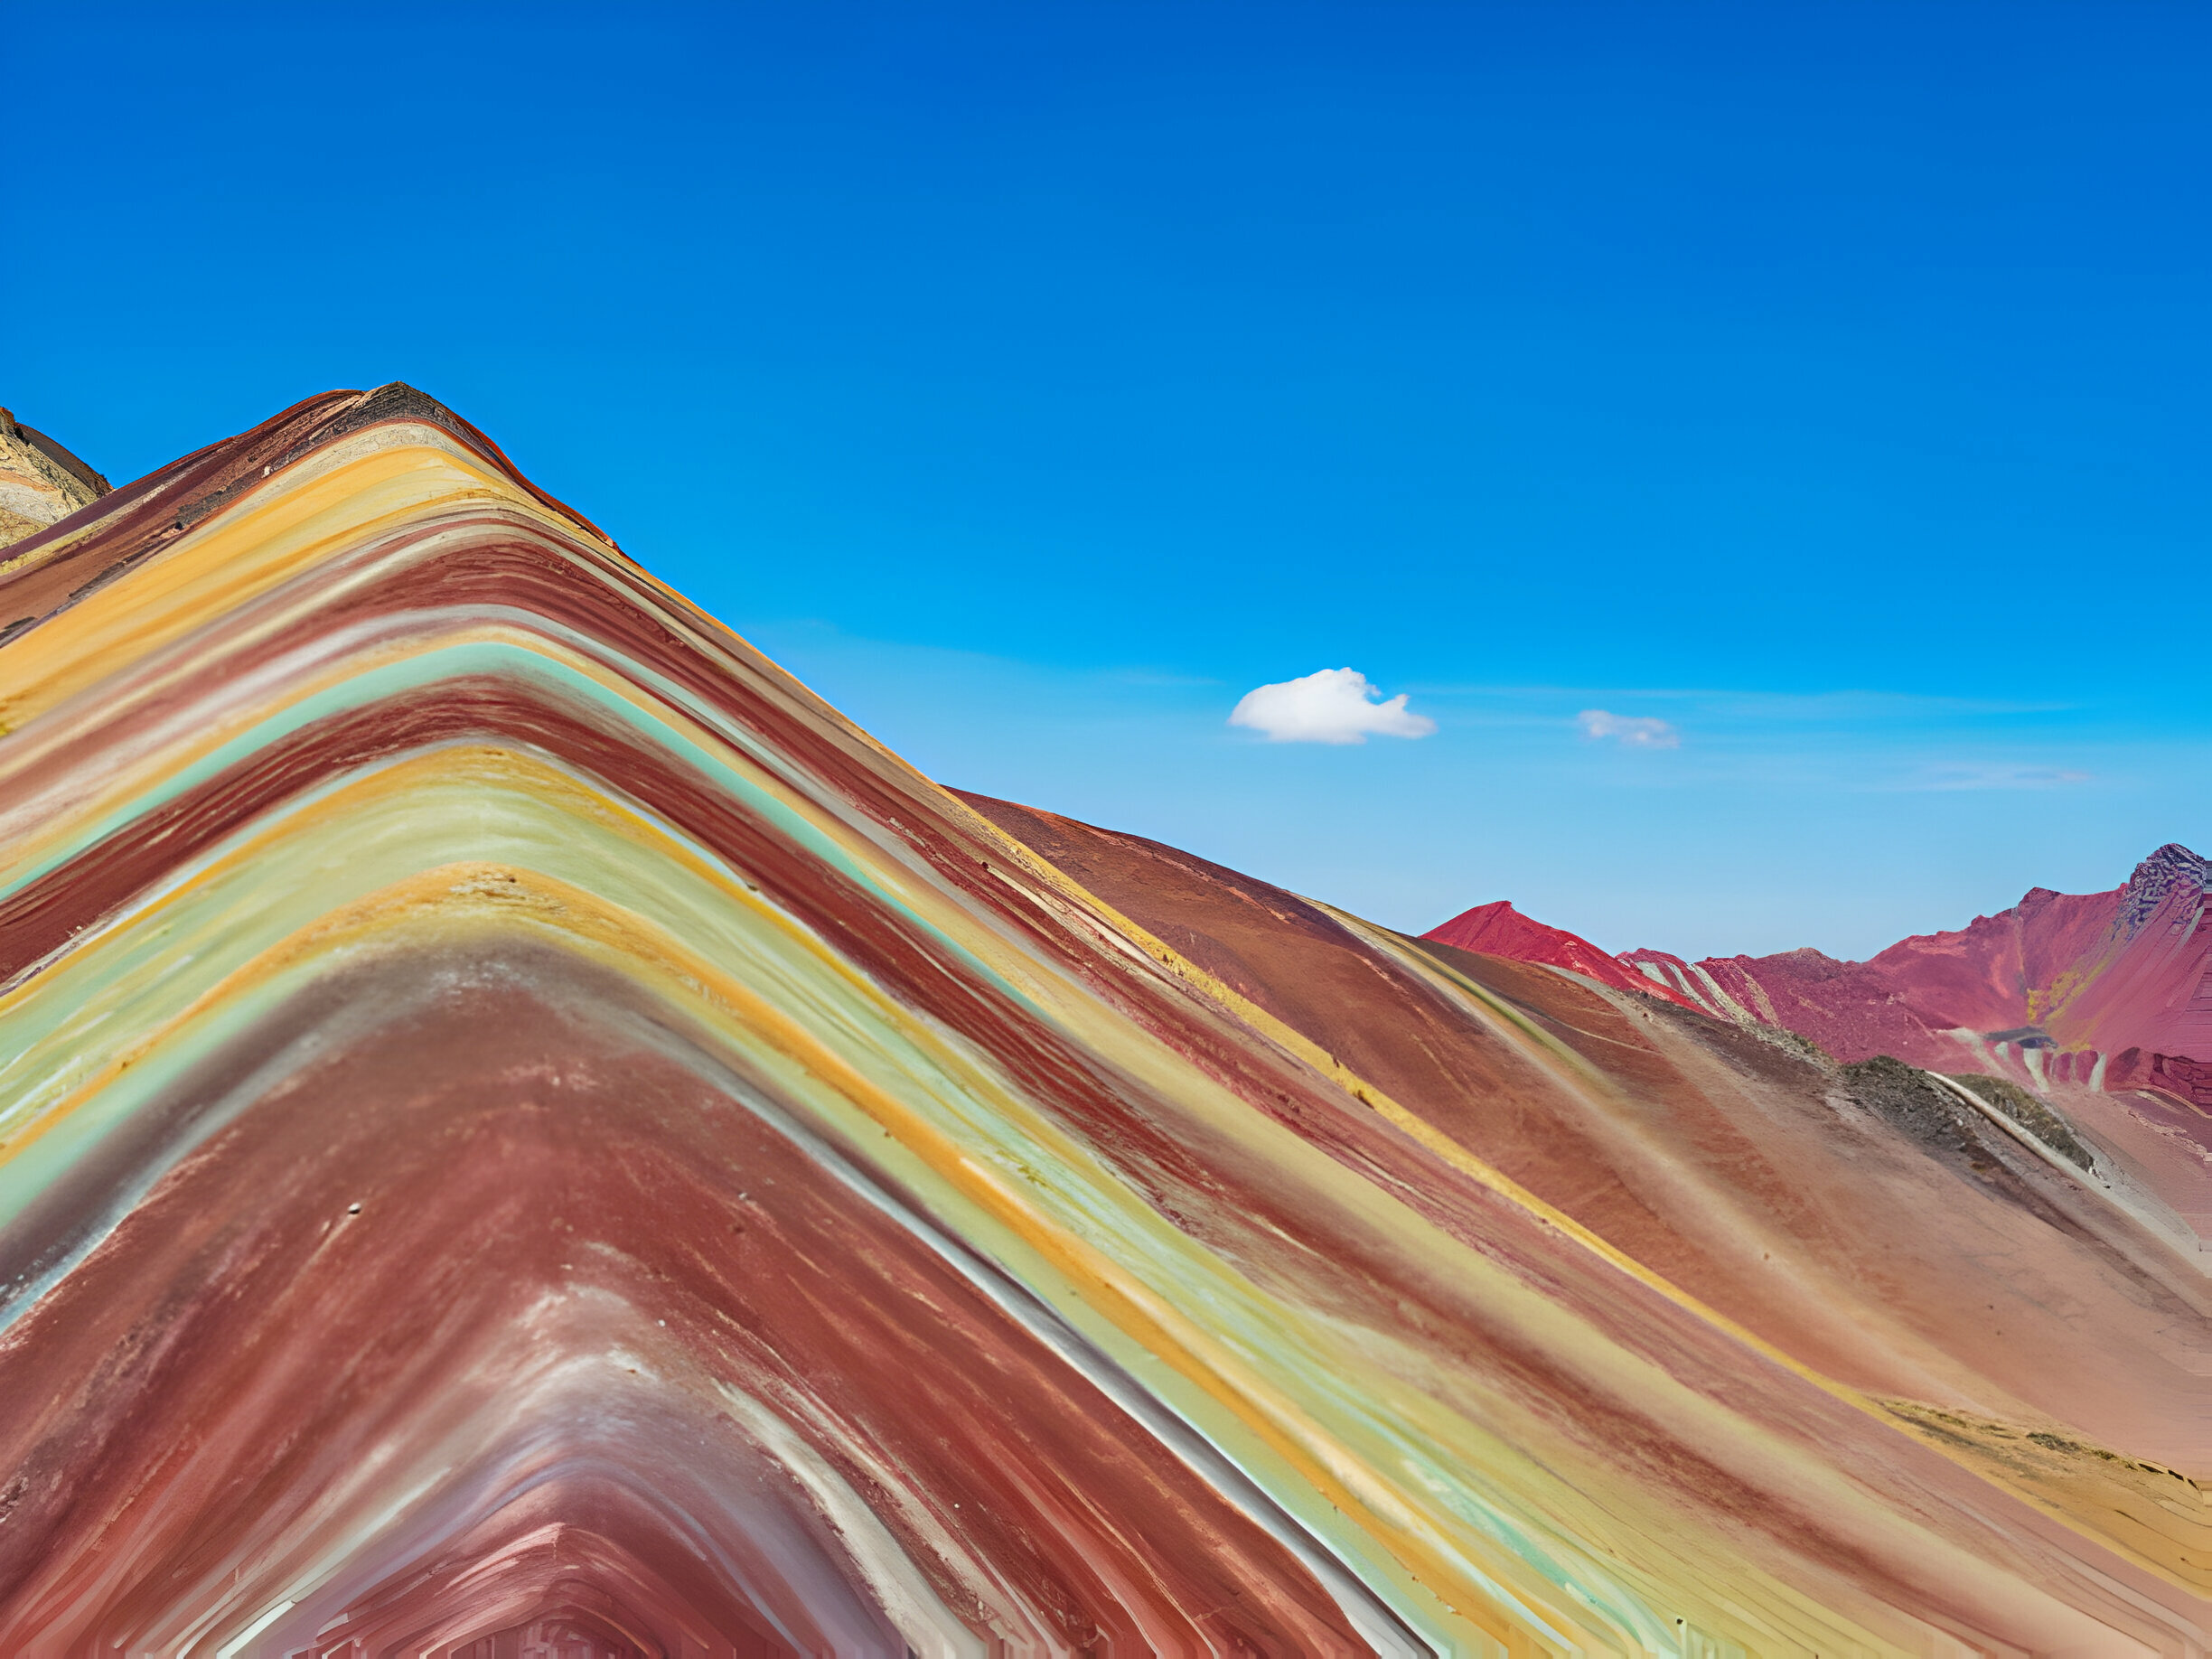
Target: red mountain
<point>1499,929</point>
<point>2108,991</point>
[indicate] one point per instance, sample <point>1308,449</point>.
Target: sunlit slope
<point>517,1118</point>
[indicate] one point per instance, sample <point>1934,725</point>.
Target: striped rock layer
<point>524,1133</point>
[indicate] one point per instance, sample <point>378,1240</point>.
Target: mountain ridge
<point>2103,990</point>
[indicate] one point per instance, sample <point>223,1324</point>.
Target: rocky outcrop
<point>40,483</point>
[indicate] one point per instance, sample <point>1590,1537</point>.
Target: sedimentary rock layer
<point>524,1131</point>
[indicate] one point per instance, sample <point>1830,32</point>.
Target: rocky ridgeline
<point>2105,990</point>
<point>2173,871</point>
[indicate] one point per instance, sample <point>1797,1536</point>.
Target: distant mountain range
<point>2101,990</point>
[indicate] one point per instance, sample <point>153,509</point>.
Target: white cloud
<point>1334,706</point>
<point>1634,731</point>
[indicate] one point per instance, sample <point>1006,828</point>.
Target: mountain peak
<point>1497,929</point>
<point>41,481</point>
<point>2174,861</point>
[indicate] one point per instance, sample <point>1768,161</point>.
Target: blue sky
<point>1827,383</point>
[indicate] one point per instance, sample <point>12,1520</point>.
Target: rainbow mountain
<point>524,1133</point>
